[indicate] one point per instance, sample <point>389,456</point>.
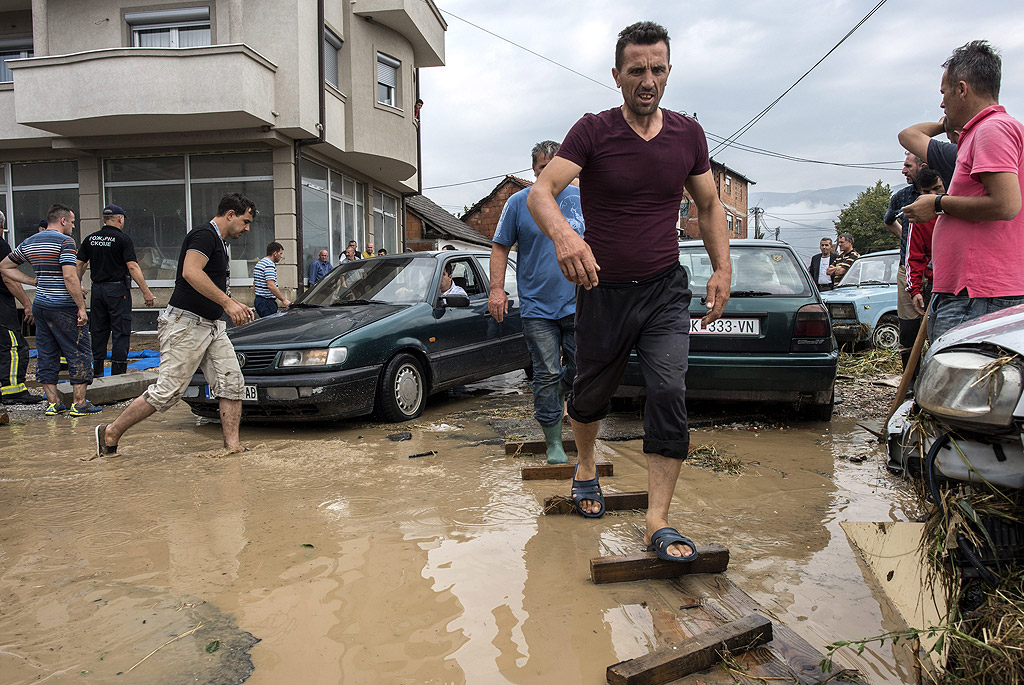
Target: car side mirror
<point>454,301</point>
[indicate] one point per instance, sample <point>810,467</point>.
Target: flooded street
<point>330,554</point>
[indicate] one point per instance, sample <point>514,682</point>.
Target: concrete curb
<point>111,389</point>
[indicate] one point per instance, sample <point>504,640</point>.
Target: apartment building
<point>734,192</point>
<point>306,106</point>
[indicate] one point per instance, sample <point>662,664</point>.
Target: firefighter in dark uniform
<point>13,346</point>
<point>111,255</point>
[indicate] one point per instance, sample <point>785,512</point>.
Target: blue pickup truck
<point>863,303</point>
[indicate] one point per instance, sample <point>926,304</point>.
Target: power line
<point>760,151</point>
<point>746,127</point>
<point>477,180</point>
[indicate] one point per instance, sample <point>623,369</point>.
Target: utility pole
<point>758,211</point>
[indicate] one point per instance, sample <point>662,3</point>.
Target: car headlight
<point>325,356</point>
<point>969,387</point>
<point>842,310</point>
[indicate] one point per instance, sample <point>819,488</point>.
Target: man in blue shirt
<point>320,268</point>
<point>547,300</point>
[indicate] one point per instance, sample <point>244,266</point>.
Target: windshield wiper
<point>345,303</point>
<point>305,304</point>
<point>749,293</point>
<point>875,283</point>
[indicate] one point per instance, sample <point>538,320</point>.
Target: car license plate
<point>726,327</point>
<point>250,394</point>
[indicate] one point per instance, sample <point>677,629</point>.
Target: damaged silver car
<point>965,422</point>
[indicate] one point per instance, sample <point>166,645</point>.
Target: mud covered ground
<point>330,553</point>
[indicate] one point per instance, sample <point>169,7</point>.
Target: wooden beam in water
<point>563,471</point>
<point>695,654</point>
<point>613,501</point>
<point>531,447</point>
<point>646,565</point>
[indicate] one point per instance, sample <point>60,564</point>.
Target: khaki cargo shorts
<point>189,342</point>
<point>904,301</point>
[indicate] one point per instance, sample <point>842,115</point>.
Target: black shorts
<point>652,316</point>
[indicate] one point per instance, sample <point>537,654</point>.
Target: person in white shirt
<point>820,263</point>
<point>448,286</point>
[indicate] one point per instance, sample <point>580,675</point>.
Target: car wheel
<point>886,335</point>
<point>403,389</point>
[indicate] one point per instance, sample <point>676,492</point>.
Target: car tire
<point>402,392</point>
<point>886,335</point>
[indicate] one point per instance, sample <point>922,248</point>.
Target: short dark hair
<point>825,238</point>
<point>449,268</point>
<point>236,202</point>
<point>847,236</point>
<point>545,148</point>
<point>926,178</point>
<point>57,212</point>
<point>381,251</point>
<point>448,247</point>
<point>979,65</point>
<point>640,33</point>
<point>273,247</point>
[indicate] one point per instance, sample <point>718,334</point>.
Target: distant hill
<point>837,197</point>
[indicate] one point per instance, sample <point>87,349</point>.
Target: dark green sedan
<point>774,341</point>
<point>374,336</point>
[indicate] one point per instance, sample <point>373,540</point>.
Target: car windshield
<point>393,280</point>
<point>872,270</point>
<point>757,270</point>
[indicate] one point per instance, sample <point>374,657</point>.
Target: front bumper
<point>298,396</point>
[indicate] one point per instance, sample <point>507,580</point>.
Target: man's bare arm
<point>15,288</point>
<point>11,272</point>
<point>74,286</point>
<point>81,268</point>
<point>192,271</point>
<point>136,274</point>
<point>896,228</point>
<point>574,256</point>
<point>715,234</point>
<point>497,300</point>
<point>272,287</point>
<point>1002,201</point>
<point>915,139</point>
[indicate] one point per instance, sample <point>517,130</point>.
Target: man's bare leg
<point>51,393</point>
<point>662,474</point>
<point>230,417</point>
<point>585,435</point>
<point>138,410</point>
<point>78,392</point>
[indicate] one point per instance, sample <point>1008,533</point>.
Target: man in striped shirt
<point>264,281</point>
<point>58,308</point>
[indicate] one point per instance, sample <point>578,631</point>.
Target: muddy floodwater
<point>328,554</point>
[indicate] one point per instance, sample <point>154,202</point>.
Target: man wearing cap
<point>111,255</point>
<point>13,346</point>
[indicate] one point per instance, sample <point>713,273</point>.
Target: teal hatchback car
<point>374,336</point>
<point>774,342</point>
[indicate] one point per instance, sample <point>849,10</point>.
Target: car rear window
<point>757,268</point>
<point>874,269</point>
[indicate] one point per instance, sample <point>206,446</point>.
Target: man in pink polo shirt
<point>978,243</point>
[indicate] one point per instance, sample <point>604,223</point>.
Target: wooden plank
<point>524,447</point>
<point>728,600</point>
<point>563,471</point>
<point>646,565</point>
<point>613,501</point>
<point>695,654</point>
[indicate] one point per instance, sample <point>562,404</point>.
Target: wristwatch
<point>938,203</point>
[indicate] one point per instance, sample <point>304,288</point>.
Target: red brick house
<point>430,227</point>
<point>733,190</point>
<point>484,215</point>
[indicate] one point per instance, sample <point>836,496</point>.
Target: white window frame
<point>332,56</point>
<point>379,198</point>
<point>728,218</point>
<point>738,224</point>
<point>728,183</point>
<point>168,20</point>
<point>388,76</point>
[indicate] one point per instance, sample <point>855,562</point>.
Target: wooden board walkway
<point>686,606</point>
<point>623,568</point>
<point>532,447</point>
<point>613,501</point>
<point>563,471</point>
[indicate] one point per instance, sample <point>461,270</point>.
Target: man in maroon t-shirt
<point>634,162</point>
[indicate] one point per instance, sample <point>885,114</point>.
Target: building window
<point>332,55</point>
<point>179,28</point>
<point>728,219</point>
<point>12,48</point>
<point>333,212</point>
<point>385,222</point>
<point>387,80</point>
<point>166,196</point>
<point>28,189</point>
<point>728,184</point>
<point>739,226</point>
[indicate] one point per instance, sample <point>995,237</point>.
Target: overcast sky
<point>492,101</point>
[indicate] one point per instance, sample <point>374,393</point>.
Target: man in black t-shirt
<point>192,334</point>
<point>13,346</point>
<point>111,255</point>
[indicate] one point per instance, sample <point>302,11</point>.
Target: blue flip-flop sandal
<point>587,489</point>
<point>663,538</point>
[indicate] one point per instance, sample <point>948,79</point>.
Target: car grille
<point>842,310</point>
<point>256,359</point>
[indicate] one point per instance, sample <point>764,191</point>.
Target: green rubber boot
<point>553,438</point>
